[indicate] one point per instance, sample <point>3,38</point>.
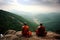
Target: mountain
<point>26,15</point>
<point>50,20</point>
<point>10,20</point>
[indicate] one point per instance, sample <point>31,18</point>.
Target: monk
<point>25,31</point>
<point>41,31</point>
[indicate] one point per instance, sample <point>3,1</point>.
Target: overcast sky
<point>31,5</point>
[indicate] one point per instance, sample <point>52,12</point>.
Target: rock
<point>1,36</point>
<point>10,32</point>
<point>19,34</point>
<point>49,36</point>
<point>11,37</point>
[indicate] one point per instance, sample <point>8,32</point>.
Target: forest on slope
<point>12,21</point>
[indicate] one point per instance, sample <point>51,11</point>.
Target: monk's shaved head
<point>41,24</point>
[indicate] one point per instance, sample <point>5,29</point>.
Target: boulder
<point>10,32</point>
<point>19,33</point>
<point>11,37</point>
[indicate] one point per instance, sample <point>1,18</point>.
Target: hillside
<point>50,20</point>
<point>12,21</point>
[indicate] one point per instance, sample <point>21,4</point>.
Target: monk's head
<point>41,24</point>
<point>25,24</point>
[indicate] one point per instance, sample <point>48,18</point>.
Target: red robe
<point>25,31</point>
<point>41,31</point>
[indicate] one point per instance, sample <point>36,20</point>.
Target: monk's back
<point>25,28</point>
<point>25,31</point>
<point>41,29</point>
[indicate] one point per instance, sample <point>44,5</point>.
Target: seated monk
<point>41,31</point>
<point>25,31</point>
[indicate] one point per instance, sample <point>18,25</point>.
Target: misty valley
<point>9,20</point>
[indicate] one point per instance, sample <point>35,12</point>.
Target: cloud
<point>15,5</point>
<point>5,2</point>
<point>37,2</point>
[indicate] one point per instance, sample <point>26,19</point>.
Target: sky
<point>33,6</point>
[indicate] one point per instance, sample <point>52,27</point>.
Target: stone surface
<point>18,36</point>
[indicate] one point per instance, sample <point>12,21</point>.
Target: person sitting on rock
<point>41,30</point>
<point>25,30</point>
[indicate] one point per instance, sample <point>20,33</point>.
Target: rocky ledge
<point>13,35</point>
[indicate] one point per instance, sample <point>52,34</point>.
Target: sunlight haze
<point>32,6</point>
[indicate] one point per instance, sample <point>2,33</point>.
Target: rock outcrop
<point>10,32</point>
<point>18,36</point>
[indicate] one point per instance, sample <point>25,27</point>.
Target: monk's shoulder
<point>38,27</point>
<point>27,26</point>
<point>22,26</point>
